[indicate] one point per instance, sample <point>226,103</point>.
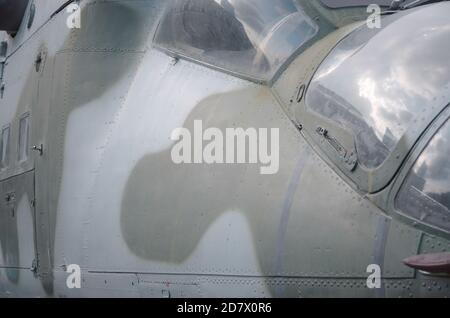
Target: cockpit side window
<point>253,38</point>
<point>425,194</point>
<point>372,83</point>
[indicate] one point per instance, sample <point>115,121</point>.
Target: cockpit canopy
<point>253,38</point>
<point>379,83</point>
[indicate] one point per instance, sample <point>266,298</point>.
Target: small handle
<point>438,263</point>
<point>348,157</point>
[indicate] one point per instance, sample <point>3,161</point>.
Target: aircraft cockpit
<point>366,105</point>
<point>377,108</point>
<point>251,38</point>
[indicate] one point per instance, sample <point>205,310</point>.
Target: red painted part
<point>431,263</point>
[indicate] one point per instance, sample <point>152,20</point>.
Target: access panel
<point>17,225</point>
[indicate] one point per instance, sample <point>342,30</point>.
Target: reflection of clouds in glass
<point>430,57</point>
<point>333,62</point>
<point>396,75</point>
<point>425,195</point>
<point>433,164</point>
<point>386,110</point>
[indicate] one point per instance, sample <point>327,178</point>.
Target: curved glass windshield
<point>249,37</point>
<point>425,195</point>
<point>377,83</point>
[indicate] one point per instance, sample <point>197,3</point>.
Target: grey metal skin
<point>100,189</point>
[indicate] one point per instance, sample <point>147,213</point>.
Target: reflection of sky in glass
<point>394,77</point>
<point>425,195</point>
<point>433,165</point>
